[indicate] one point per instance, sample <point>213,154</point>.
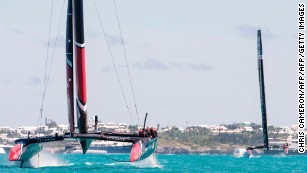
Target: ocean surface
<point>158,163</point>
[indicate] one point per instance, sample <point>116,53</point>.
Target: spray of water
<point>47,160</point>
<point>150,162</point>
<point>239,152</point>
<point>280,155</point>
<point>254,156</point>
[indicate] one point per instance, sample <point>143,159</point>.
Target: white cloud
<point>34,81</point>
<point>190,66</point>
<point>150,63</point>
<point>154,64</point>
<point>6,82</point>
<point>16,31</point>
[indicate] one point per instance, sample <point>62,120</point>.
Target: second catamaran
<point>265,148</point>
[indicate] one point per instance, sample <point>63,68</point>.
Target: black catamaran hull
<point>278,151</point>
<point>27,148</point>
<point>260,153</point>
<point>263,151</point>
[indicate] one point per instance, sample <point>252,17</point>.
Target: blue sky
<point>191,61</point>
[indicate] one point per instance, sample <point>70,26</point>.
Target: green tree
<point>50,123</point>
<point>133,128</point>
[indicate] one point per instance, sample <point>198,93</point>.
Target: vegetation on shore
<point>202,140</point>
<point>194,139</point>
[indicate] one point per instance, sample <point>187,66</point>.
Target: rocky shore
<point>178,150</point>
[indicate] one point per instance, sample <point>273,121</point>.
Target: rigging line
<point>46,81</point>
<point>55,43</point>
<point>131,86</point>
<point>111,55</point>
<point>46,65</point>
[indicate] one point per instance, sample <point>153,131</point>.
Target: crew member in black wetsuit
<point>148,132</point>
<point>141,133</point>
<point>153,133</point>
<point>144,133</point>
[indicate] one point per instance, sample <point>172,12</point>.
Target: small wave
<point>116,163</point>
<point>150,162</point>
<point>280,155</point>
<point>88,163</point>
<point>254,157</point>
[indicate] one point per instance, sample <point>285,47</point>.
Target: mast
<point>81,105</point>
<point>69,68</point>
<point>262,91</point>
<point>80,65</point>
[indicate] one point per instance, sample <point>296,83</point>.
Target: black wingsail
<point>262,91</point>
<point>70,68</point>
<point>79,43</point>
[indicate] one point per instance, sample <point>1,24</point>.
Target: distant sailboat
<point>5,148</point>
<point>265,148</point>
<point>24,149</point>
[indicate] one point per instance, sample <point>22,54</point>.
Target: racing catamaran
<point>25,149</point>
<point>265,148</point>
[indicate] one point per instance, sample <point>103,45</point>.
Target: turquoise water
<point>161,163</point>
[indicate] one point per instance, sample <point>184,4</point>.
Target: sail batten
<point>262,91</point>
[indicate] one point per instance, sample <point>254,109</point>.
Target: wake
<point>46,160</point>
<point>150,162</point>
